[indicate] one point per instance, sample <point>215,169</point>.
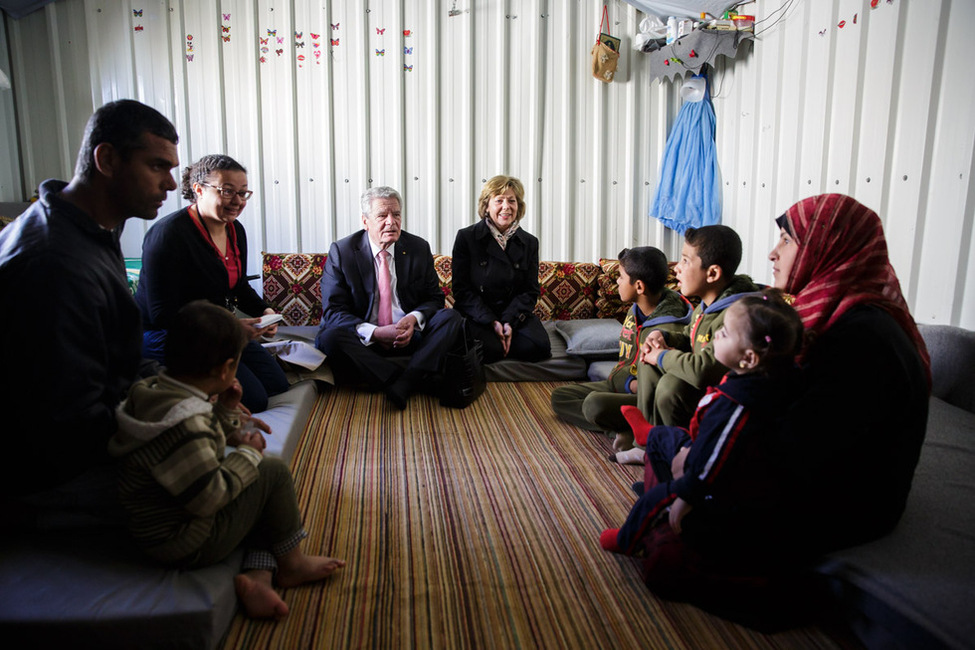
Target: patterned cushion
<point>608,303</point>
<point>568,290</point>
<point>292,286</point>
<point>442,264</point>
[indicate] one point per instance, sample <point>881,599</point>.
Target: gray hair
<point>381,192</point>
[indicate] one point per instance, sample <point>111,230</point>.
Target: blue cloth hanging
<point>689,192</point>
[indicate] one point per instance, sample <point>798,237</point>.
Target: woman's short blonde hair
<point>498,185</point>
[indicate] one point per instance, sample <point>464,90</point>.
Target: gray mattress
<point>562,366</point>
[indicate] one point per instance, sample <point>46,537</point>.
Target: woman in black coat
<point>200,252</point>
<point>495,276</point>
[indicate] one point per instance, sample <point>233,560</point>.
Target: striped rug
<point>474,528</point>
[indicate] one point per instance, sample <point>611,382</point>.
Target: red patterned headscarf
<point>842,263</point>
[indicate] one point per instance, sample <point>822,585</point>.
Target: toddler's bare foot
<point>258,596</point>
<point>296,568</point>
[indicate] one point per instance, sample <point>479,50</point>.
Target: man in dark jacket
<point>70,338</point>
<point>381,298</point>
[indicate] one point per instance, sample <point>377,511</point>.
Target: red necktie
<point>385,290</point>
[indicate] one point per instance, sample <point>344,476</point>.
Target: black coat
<point>179,266</point>
<point>491,284</point>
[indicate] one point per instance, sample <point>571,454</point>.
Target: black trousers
<point>529,341</point>
<point>353,362</point>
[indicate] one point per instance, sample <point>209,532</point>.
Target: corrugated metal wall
<point>323,99</point>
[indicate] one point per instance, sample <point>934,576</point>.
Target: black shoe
<point>400,390</point>
<point>398,393</point>
<point>637,488</point>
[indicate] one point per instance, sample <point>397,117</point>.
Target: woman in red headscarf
<point>853,438</point>
<point>847,451</point>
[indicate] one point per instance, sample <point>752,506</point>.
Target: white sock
<point>634,456</point>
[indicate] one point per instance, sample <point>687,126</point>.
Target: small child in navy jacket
<point>716,499</point>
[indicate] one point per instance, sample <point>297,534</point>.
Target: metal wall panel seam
<point>532,182</point>
<point>944,155</point>
<point>877,113</point>
<point>11,173</point>
<point>432,55</point>
<point>844,120</point>
<point>626,222</point>
<point>567,173</point>
<point>296,137</point>
<point>963,309</point>
<point>331,166</point>
<point>400,179</point>
<point>57,69</point>
<point>963,303</point>
<point>367,117</point>
<point>18,73</point>
<point>900,203</point>
<point>466,175</point>
<point>261,162</point>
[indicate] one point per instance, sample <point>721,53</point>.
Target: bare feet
<point>296,568</point>
<point>258,596</point>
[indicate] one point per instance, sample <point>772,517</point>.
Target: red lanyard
<point>230,261</point>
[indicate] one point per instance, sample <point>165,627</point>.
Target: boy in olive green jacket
<point>596,405</point>
<point>677,368</point>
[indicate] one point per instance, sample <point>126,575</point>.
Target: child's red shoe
<point>607,539</point>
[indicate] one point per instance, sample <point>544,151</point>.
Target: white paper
<point>297,352</point>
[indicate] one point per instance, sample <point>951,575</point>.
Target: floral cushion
<point>608,303</point>
<point>292,286</point>
<point>442,264</point>
<point>568,290</point>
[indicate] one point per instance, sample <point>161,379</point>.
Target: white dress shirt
<point>365,329</point>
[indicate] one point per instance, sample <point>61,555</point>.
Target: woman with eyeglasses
<point>200,252</point>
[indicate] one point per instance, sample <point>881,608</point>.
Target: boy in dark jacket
<point>596,405</point>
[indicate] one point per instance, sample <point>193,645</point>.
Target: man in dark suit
<point>381,298</point>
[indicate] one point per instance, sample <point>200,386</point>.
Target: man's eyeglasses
<point>228,193</point>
